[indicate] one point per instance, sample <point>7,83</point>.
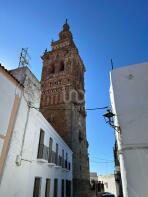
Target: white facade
<point>129,100</point>
<point>109,183</point>
<point>23,163</point>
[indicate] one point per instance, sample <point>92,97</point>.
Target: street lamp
<point>109,118</point>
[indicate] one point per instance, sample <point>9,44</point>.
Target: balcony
<point>42,153</point>
<point>55,160</point>
<point>67,166</point>
<point>51,157</point>
<point>60,161</point>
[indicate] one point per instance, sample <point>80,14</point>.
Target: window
<point>66,163</point>
<point>50,150</point>
<point>68,188</point>
<point>55,187</point>
<point>60,161</point>
<point>69,166</point>
<point>41,144</point>
<point>62,66</point>
<point>62,189</point>
<point>57,150</point>
<point>62,158</point>
<point>37,187</point>
<point>47,191</point>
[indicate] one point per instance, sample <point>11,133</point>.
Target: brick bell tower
<point>63,103</point>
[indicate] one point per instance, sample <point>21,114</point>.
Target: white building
<point>93,176</point>
<point>129,100</point>
<point>34,160</point>
<point>109,183</point>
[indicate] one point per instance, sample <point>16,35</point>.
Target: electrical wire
<point>93,157</point>
<point>97,108</point>
<point>87,109</point>
<point>92,161</point>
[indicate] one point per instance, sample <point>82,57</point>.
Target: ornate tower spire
<point>65,33</point>
<point>66,26</point>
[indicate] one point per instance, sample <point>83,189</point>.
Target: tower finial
<point>65,33</point>
<point>66,26</point>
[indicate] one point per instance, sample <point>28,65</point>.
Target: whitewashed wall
<point>129,99</point>
<point>8,91</point>
<point>109,183</point>
<point>18,181</point>
<point>32,87</point>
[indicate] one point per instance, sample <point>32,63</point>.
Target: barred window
<point>62,189</point>
<point>47,191</point>
<point>55,187</point>
<point>37,187</point>
<point>50,150</point>
<point>57,150</point>
<point>41,144</point>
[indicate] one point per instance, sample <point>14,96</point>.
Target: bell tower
<point>63,103</point>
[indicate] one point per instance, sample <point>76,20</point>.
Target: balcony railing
<point>66,164</point>
<point>43,152</point>
<point>69,166</point>
<point>51,157</point>
<point>60,161</point>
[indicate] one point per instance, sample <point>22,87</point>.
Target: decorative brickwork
<point>63,103</point>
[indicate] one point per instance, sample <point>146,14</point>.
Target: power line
<point>92,161</point>
<point>97,108</point>
<point>87,109</point>
<point>108,160</point>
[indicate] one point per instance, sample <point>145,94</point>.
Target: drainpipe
<point>122,164</point>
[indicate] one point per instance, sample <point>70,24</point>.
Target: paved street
<point>93,194</point>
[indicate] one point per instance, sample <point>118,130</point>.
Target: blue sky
<point>102,29</point>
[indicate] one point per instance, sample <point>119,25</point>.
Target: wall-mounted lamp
<point>109,118</point>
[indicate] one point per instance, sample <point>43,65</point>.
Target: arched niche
<point>62,66</point>
<point>59,66</point>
